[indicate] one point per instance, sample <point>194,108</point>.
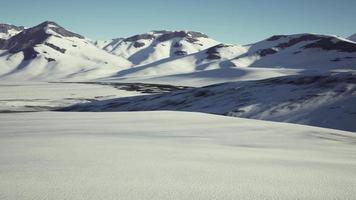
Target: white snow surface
<point>9,34</point>
<point>38,96</point>
<point>282,55</point>
<point>160,56</point>
<point>81,60</point>
<point>148,47</point>
<point>171,155</point>
<point>324,100</point>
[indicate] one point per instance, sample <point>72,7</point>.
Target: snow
<point>171,155</point>
<point>81,61</point>
<point>37,96</point>
<point>9,34</point>
<point>240,60</point>
<point>324,100</point>
<point>186,56</point>
<point>207,77</point>
<point>153,49</point>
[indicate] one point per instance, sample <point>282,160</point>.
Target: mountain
<point>48,51</point>
<point>275,56</point>
<point>300,51</point>
<point>8,30</point>
<point>157,45</point>
<point>326,100</point>
<point>103,43</point>
<point>352,38</point>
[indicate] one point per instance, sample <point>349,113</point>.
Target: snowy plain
<point>40,96</point>
<point>171,155</point>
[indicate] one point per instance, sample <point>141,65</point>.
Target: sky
<point>229,21</point>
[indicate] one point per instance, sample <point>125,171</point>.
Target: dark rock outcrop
<point>27,39</point>
<point>138,44</point>
<point>265,52</point>
<point>180,53</point>
<point>139,37</point>
<point>55,47</point>
<point>213,53</point>
<point>276,37</point>
<point>189,36</point>
<point>333,44</point>
<point>4,28</point>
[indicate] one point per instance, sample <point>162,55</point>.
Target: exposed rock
<point>29,53</point>
<point>316,41</point>
<point>265,52</point>
<point>303,38</point>
<point>139,37</point>
<point>190,36</point>
<point>333,44</point>
<point>276,37</point>
<point>55,47</point>
<point>4,28</point>
<point>27,39</point>
<point>180,53</point>
<point>177,44</point>
<point>50,59</point>
<point>138,44</point>
<point>63,32</point>
<point>213,53</point>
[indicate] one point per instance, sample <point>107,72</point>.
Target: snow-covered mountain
<point>326,100</point>
<point>300,51</point>
<point>352,37</point>
<point>276,56</point>
<point>195,62</point>
<point>48,51</point>
<point>157,45</point>
<point>8,30</point>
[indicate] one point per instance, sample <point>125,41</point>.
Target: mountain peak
<point>9,30</point>
<point>181,32</point>
<point>27,39</point>
<point>307,41</point>
<point>165,35</point>
<point>5,28</point>
<point>352,37</point>
<point>46,23</point>
<point>57,29</point>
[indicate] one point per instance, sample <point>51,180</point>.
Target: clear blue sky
<point>231,21</point>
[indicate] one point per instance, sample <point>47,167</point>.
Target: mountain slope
<point>157,45</point>
<point>275,56</point>
<point>8,30</point>
<point>300,51</point>
<point>352,37</point>
<point>321,100</point>
<point>48,51</point>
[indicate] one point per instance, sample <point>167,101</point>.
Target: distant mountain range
<point>300,78</point>
<point>50,52</point>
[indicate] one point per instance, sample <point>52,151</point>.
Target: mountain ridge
<point>160,53</point>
